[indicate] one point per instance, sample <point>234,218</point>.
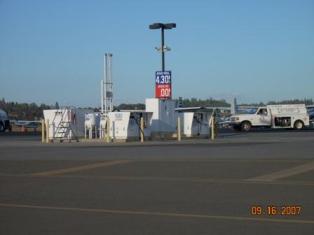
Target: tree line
<point>291,101</point>
<point>33,111</point>
<point>24,111</point>
<point>194,102</point>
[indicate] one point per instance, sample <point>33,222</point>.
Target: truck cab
<point>260,117</point>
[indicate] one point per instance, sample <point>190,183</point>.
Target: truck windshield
<point>247,111</point>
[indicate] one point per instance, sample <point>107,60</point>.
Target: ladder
<point>64,129</point>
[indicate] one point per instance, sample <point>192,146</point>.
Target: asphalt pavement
<point>242,183</point>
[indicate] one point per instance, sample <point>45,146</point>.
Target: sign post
<point>163,85</point>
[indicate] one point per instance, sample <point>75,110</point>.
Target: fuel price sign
<point>163,85</point>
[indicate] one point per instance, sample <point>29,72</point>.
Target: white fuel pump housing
<point>195,124</point>
<point>124,126</point>
<point>92,123</point>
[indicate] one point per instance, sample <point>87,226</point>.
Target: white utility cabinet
<point>65,123</point>
<point>126,125</point>
<point>164,118</point>
<point>194,124</point>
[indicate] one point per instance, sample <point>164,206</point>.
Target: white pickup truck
<point>273,116</point>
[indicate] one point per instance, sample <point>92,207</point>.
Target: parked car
<point>4,121</point>
<point>311,114</point>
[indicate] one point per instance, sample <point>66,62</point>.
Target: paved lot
<point>194,187</point>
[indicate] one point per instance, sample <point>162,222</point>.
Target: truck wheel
<point>245,126</point>
<point>298,125</point>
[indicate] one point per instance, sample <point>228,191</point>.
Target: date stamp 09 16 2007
<point>272,210</point>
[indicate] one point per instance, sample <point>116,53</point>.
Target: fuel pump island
<point>161,119</point>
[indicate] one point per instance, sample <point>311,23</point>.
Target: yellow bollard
<point>47,131</point>
<point>42,130</point>
<point>213,127</point>
<point>216,127</point>
<point>103,132</point>
<point>179,129</point>
<point>142,130</point>
<point>108,131</point>
<point>209,127</point>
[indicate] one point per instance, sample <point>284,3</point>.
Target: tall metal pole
<point>106,83</point>
<point>162,27</point>
<point>102,95</point>
<point>162,49</point>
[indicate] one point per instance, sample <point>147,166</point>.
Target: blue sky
<point>256,50</point>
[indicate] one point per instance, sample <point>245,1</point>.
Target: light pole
<point>162,49</point>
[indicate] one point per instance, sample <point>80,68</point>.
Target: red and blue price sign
<point>163,85</point>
